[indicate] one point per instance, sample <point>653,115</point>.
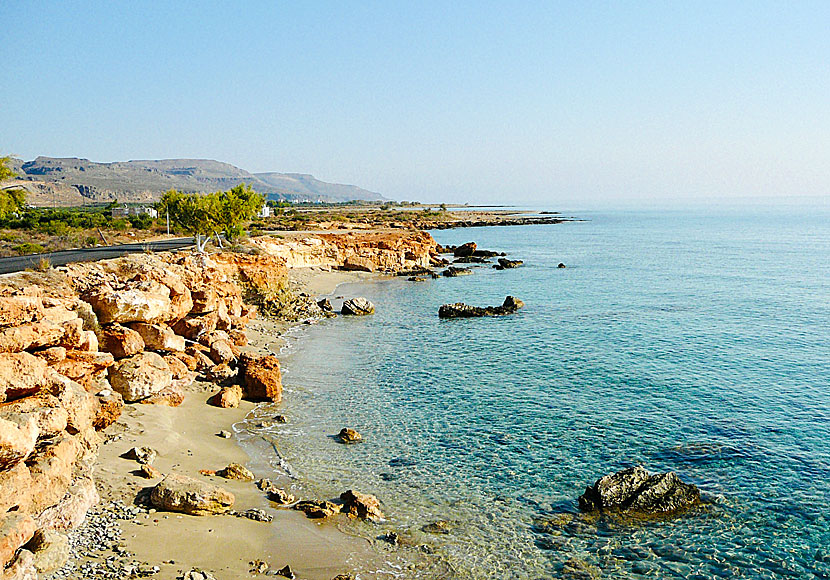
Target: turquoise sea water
<point>697,342</point>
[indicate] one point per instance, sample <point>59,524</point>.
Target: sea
<point>693,341</point>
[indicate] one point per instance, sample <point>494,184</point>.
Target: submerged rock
<point>357,307</point>
<point>637,492</point>
<point>361,505</point>
<point>504,263</point>
<point>439,527</point>
<point>461,310</point>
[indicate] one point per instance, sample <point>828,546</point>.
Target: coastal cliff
<point>78,343</point>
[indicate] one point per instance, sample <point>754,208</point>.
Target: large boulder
<point>84,367</point>
<point>120,341</point>
<point>140,376</point>
<point>637,492</point>
<point>192,327</point>
<point>20,306</point>
<point>50,550</point>
<point>177,493</point>
<point>221,352</point>
<point>21,374</point>
<point>357,307</point>
<point>18,435</point>
<point>31,335</point>
<point>14,484</point>
<point>141,301</point>
<point>15,530</point>
<point>464,250</point>
<point>159,337</point>
<point>261,377</point>
<point>46,409</point>
<point>72,508</point>
<point>227,398</point>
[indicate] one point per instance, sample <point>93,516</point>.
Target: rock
<point>280,419</point>
<point>18,435</point>
<point>274,493</point>
<point>143,455</point>
<point>325,305</point>
<point>236,471</point>
<point>223,375</point>
<point>504,263</point>
<point>196,574</point>
<point>120,341</point>
<point>47,410</point>
<point>192,327</point>
<point>31,335</point>
<point>238,337</point>
<point>221,352</point>
<point>439,527</point>
<point>159,336</point>
<point>50,550</point>
<point>637,492</point>
<point>140,376</point>
<point>227,398</point>
<point>286,572</point>
<point>178,369</point>
<point>52,355</point>
<point>110,405</point>
<point>141,301</point>
<point>261,377</point>
<point>258,567</point>
<point>15,530</point>
<point>390,538</point>
<point>84,367</point>
<point>21,374</point>
<point>177,493</point>
<point>149,471</point>
<point>348,435</point>
<point>461,310</point>
<point>224,434</point>
<point>20,306</point>
<point>357,307</point>
<point>172,396</point>
<point>12,481</point>
<point>453,272</point>
<point>255,514</point>
<point>361,505</point>
<point>23,567</point>
<point>346,576</point>
<point>561,265</point>
<point>467,249</point>
<point>316,509</point>
<point>71,509</point>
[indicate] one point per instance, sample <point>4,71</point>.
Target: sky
<point>591,103</point>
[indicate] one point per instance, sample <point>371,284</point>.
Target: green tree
<point>237,206</point>
<point>11,199</point>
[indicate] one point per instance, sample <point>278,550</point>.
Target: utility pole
<point>168,222</point>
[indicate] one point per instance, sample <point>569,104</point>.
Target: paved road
<point>18,263</point>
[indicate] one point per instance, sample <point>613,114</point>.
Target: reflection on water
<point>681,342</point>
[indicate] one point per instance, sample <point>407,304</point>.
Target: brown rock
<point>177,493</point>
<point>317,508</point>
<point>15,530</point>
<point>84,367</point>
<point>261,377</point>
<point>76,400</point>
<point>221,352</point>
<point>50,550</point>
<point>140,376</point>
<point>188,360</point>
<point>120,341</point>
<point>51,355</point>
<point>227,398</point>
<point>25,306</point>
<point>89,341</point>
<point>51,469</point>
<point>30,335</point>
<point>238,337</point>
<point>222,375</point>
<point>71,510</point>
<point>23,567</point>
<point>50,416</point>
<point>14,486</point>
<point>18,435</point>
<point>73,333</point>
<point>159,337</point>
<point>110,405</point>
<point>178,369</point>
<point>348,435</point>
<point>192,327</point>
<point>361,505</point>
<point>204,299</point>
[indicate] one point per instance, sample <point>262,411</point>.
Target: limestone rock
<point>357,307</point>
<point>12,483</point>
<point>192,327</point>
<point>227,398</point>
<point>261,377</point>
<point>361,505</point>
<point>325,305</point>
<point>318,508</point>
<point>120,341</point>
<point>464,250</point>
<point>637,492</point>
<point>31,335</point>
<point>171,396</point>
<point>221,352</point>
<point>236,471</point>
<point>178,369</point>
<point>143,455</point>
<point>110,405</point>
<point>50,550</point>
<point>51,468</point>
<point>71,509</point>
<point>140,376</point>
<point>505,264</point>
<point>22,307</point>
<point>159,337</point>
<point>52,355</point>
<point>84,367</point>
<point>177,493</point>
<point>23,567</point>
<point>141,301</point>
<point>149,471</point>
<point>18,435</point>
<point>455,272</point>
<point>21,374</point>
<point>15,530</point>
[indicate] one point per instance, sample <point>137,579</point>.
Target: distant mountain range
<point>71,181</point>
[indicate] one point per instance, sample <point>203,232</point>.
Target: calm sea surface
<point>689,341</point>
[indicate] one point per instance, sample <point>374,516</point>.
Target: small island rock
<point>635,491</point>
<point>357,307</point>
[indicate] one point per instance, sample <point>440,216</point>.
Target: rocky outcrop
<point>357,307</point>
<point>505,264</point>
<point>454,272</point>
<point>635,491</point>
<point>461,310</point>
<point>177,493</point>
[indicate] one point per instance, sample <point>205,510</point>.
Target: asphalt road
<point>18,263</point>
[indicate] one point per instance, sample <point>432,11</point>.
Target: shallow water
<point>693,342</point>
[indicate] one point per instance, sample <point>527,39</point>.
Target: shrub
<point>28,248</point>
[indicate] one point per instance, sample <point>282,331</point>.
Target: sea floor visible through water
<point>694,342</point>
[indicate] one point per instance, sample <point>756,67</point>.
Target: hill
<point>72,181</point>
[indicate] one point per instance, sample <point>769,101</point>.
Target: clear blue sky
<point>546,102</point>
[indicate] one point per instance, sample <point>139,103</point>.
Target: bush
<point>28,248</point>
<point>120,224</point>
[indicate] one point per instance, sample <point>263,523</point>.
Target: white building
<point>126,211</point>
<point>265,211</point>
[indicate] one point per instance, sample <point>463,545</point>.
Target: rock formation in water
<point>461,310</point>
<point>635,491</point>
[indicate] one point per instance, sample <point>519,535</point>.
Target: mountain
<point>69,181</point>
